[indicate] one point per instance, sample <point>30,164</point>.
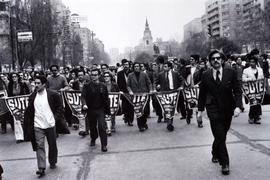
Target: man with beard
<point>139,82</point>
<point>122,77</point>
<point>220,93</point>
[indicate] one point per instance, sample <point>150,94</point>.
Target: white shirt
<point>215,73</point>
<point>170,77</point>
<point>44,118</point>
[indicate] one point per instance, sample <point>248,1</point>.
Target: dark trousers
<point>255,111</point>
<point>40,135</point>
<point>7,117</point>
<point>220,125</point>
<point>141,121</point>
<point>181,107</point>
<point>97,125</point>
<point>127,110</point>
<point>157,106</point>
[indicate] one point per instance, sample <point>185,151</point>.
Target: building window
<point>3,6</point>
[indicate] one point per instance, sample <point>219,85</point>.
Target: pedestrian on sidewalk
<point>220,93</point>
<point>44,118</point>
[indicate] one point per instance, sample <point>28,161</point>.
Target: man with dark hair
<point>95,101</point>
<point>122,77</point>
<point>139,82</point>
<point>44,118</point>
<point>168,80</point>
<point>220,92</point>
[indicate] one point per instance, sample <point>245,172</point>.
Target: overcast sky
<point>120,23</point>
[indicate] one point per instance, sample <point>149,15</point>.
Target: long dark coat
<point>56,105</point>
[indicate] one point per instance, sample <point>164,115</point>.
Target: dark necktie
<point>217,77</point>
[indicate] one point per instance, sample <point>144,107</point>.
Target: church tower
<point>147,36</point>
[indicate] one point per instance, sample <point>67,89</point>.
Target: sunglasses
<point>215,58</point>
<point>94,74</point>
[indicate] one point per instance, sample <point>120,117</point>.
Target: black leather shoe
<point>214,160</point>
<point>83,133</point>
<point>52,166</point>
<point>142,129</point>
<point>200,125</point>
<point>93,143</point>
<point>188,120</point>
<point>130,124</point>
<point>170,127</point>
<point>225,170</point>
<point>146,126</point>
<point>40,172</point>
<point>159,119</point>
<point>183,117</point>
<point>4,131</point>
<point>104,149</point>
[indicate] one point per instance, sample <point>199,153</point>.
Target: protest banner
<point>191,95</point>
<point>168,101</point>
<point>17,106</point>
<point>114,107</point>
<point>73,99</point>
<point>254,91</point>
<point>138,101</point>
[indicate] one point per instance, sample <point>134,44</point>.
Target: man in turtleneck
<point>139,82</point>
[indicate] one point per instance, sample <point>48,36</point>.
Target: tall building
<point>224,17</point>
<point>146,44</point>
<point>5,45</point>
<point>191,28</point>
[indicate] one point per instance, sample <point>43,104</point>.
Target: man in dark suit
<point>127,108</point>
<point>44,118</point>
<point>220,93</point>
<point>168,80</point>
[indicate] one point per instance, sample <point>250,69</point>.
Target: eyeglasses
<point>94,74</point>
<point>14,76</point>
<point>217,58</point>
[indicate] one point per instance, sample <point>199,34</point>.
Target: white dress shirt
<point>44,118</point>
<point>220,73</point>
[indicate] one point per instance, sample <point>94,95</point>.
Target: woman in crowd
<point>112,87</point>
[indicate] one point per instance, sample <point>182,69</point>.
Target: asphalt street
<point>156,154</point>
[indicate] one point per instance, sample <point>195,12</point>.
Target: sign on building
<point>25,36</point>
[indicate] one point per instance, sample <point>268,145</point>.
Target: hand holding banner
<point>168,101</point>
<point>254,91</point>
<point>17,106</point>
<point>191,95</point>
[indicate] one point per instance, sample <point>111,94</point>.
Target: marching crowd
<point>43,119</point>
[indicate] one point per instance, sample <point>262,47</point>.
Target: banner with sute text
<point>191,95</point>
<point>168,101</point>
<point>254,91</point>
<point>17,106</point>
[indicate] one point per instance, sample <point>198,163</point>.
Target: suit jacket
<point>56,105</point>
<point>164,86</point>
<point>141,86</point>
<point>223,97</point>
<point>121,81</point>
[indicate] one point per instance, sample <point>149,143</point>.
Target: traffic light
<point>209,30</point>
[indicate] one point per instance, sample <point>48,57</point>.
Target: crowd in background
<point>252,66</point>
